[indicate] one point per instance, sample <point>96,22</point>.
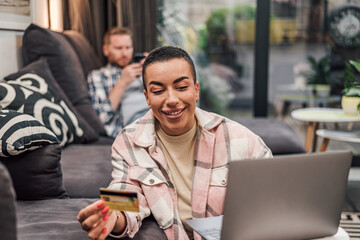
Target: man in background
<point>116,90</point>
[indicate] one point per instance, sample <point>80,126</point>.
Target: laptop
<point>286,197</point>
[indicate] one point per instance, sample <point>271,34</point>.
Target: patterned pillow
<point>41,68</point>
<point>21,132</point>
<point>31,95</point>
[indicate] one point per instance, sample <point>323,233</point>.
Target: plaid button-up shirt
<point>139,165</point>
<point>100,84</point>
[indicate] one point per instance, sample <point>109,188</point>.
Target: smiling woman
<point>173,156</point>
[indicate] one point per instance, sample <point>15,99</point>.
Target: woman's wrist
<point>120,224</point>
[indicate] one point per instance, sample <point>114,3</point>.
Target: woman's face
<point>172,95</point>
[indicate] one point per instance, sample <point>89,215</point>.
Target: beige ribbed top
<point>179,154</point>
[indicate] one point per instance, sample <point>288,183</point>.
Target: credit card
<point>120,200</point>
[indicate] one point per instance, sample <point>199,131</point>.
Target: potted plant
<point>320,76</point>
<point>301,72</point>
<point>350,101</point>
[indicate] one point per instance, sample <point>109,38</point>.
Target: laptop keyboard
<point>210,233</point>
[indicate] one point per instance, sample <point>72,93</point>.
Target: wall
<point>11,40</point>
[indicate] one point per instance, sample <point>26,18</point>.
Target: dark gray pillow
<point>65,66</point>
<point>30,94</point>
<point>37,174</point>
<point>7,203</point>
<point>41,68</point>
<point>88,58</point>
<point>22,132</point>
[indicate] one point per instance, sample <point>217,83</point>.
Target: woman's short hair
<point>166,53</point>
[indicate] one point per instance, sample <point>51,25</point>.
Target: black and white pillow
<point>41,68</point>
<point>30,94</point>
<point>20,132</point>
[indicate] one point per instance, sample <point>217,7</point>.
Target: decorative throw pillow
<point>37,174</point>
<point>30,94</point>
<point>65,66</point>
<point>21,132</point>
<point>41,68</point>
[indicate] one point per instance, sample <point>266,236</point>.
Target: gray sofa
<point>46,187</point>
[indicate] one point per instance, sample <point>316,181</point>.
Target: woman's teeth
<point>174,113</point>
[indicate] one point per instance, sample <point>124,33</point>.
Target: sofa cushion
<point>104,141</point>
<point>50,219</point>
<point>37,174</point>
<point>41,68</point>
<point>22,132</point>
<point>31,95</point>
<point>65,66</point>
<point>277,135</point>
<point>56,220</point>
<point>86,168</point>
<point>87,56</point>
<point>7,203</point>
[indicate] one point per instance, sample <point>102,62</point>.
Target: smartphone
<point>138,57</point>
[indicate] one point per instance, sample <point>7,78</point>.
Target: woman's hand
<point>97,220</point>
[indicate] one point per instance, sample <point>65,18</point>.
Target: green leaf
<point>320,70</point>
<point>352,92</point>
<point>356,64</point>
<point>348,76</point>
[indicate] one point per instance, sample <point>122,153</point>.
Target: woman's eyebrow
<point>180,79</point>
<point>156,83</point>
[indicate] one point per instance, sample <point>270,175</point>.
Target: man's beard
<point>123,63</point>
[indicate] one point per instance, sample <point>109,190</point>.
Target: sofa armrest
<point>7,203</point>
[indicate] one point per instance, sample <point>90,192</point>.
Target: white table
<point>314,116</point>
<point>344,136</point>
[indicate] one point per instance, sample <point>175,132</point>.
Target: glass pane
<point>220,37</point>
<point>306,65</point>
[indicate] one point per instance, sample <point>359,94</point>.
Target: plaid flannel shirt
<point>100,84</point>
<point>139,165</point>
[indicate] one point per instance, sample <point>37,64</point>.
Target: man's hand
<point>143,60</point>
<point>130,73</point>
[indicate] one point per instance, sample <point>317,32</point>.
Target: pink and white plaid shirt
<point>139,165</point>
